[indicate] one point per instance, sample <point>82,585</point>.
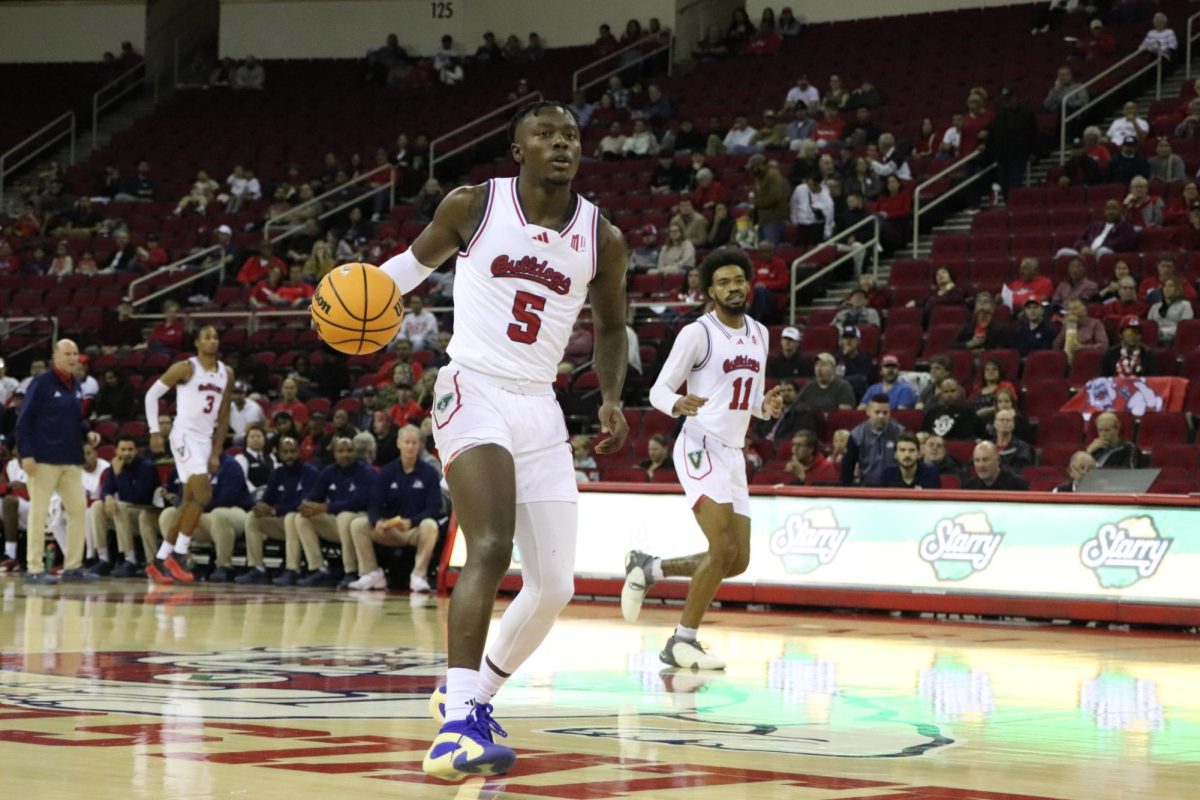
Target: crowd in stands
<point>775,182</point>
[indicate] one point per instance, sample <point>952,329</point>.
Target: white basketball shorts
<point>470,409</point>
<point>191,452</point>
<point>712,469</point>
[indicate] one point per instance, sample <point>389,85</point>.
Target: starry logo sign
<point>808,541</point>
<point>1125,552</point>
<point>957,548</point>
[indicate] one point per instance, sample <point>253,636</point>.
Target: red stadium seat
<point>1045,365</point>
<point>1084,367</point>
<point>1062,428</point>
<point>1163,428</point>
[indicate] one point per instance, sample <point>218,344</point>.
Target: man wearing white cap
<point>228,256</point>
<point>789,363</point>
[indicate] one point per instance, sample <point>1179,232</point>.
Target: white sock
<point>164,550</point>
<point>460,692</point>
<point>181,544</point>
<point>687,634</point>
<point>490,681</point>
<point>656,569</point>
<point>102,553</point>
<point>10,550</point>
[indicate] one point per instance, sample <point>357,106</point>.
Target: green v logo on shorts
<point>445,401</point>
<point>695,457</point>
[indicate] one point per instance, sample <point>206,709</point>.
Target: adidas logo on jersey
<point>542,237</point>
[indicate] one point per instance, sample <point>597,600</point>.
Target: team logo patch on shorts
<point>696,456</point>
<point>444,401</point>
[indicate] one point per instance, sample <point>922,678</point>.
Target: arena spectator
<point>803,92</point>
<point>740,28</point>
<point>713,46</point>
<point>141,188</point>
<point>951,144</point>
<point>241,187</point>
<point>1110,235</point>
<point>720,229</point>
<point>1128,125</point>
<point>1033,331</point>
<point>420,326</point>
<point>1171,309</point>
<point>8,385</point>
<point>642,143</point>
<point>812,211</point>
<point>1165,165</point>
<point>1031,285</point>
<point>1160,40</point>
<point>257,267</point>
<point>984,332</point>
<point>855,366</point>
<point>1080,331</point>
<point>1179,210</point>
<point>789,363</point>
<point>406,410</point>
<point>939,370</point>
<point>894,208</point>
<point>338,496</point>
<point>167,336</point>
<point>1189,126</point>
<point>677,254</point>
<point>900,394</point>
<point>1077,285</point>
<point>1080,169</point>
<point>605,43</point>
<point>910,471</point>
<point>1099,42</point>
<point>124,256</point>
<point>740,138</point>
<point>688,138</point>
<point>1015,454</point>
<point>826,392</point>
<point>950,417</point>
<point>933,454</point>
<point>856,311</point>
<point>1080,465</point>
<point>807,465</point>
<point>1109,449</point>
<point>116,398</point>
<point>1126,302</point>
<point>990,475</point>
<point>1129,358</point>
<point>204,191</point>
<point>771,281</point>
<point>667,176</point>
<point>945,292</point>
<point>800,129</point>
<point>612,146</point>
<point>1012,140</point>
<point>1128,164</point>
<point>975,122</point>
<point>991,381</point>
<point>771,196</point>
<point>1150,289</point>
<point>289,401</point>
<point>772,135</point>
<point>1093,142</point>
<point>708,191</point>
<point>871,449</point>
<point>1066,86</point>
<point>658,454</point>
<point>1143,209</point>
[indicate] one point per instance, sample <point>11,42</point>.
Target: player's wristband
<point>406,271</point>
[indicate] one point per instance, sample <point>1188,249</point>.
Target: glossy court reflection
<point>197,693</point>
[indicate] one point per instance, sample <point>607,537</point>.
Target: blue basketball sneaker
<point>465,748</point>
<point>437,704</point>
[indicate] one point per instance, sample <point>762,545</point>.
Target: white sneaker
<point>687,654</point>
<point>375,579</point>
<point>417,583</point>
<point>638,580</point>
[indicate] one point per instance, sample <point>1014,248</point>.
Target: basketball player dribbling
<point>202,386</point>
<point>530,251</point>
<point>723,358</point>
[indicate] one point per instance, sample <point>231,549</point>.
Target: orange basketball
<point>357,309</point>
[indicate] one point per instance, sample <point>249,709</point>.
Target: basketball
<point>357,309</point>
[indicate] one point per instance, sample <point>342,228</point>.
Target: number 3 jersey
<point>725,365</point>
<point>518,288</point>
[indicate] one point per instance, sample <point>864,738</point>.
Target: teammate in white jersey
<point>529,252</point>
<point>202,395</point>
<point>723,358</point>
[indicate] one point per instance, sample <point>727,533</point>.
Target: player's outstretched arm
<point>452,226</point>
<point>177,373</point>
<point>610,349</point>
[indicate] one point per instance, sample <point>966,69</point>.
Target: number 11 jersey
<point>519,287</point>
<point>726,365</point>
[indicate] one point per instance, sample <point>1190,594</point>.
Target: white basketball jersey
<point>198,400</point>
<point>519,287</point>
<point>725,365</point>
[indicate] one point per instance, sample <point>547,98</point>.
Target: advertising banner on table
<point>1133,553</point>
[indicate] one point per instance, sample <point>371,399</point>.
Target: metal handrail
<point>1065,118</point>
<point>1191,37</point>
<point>6,170</point>
<point>799,261</point>
<point>175,266</point>
<point>118,87</point>
<point>434,158</point>
<point>22,322</point>
<point>938,201</point>
<point>316,201</point>
<point>669,47</point>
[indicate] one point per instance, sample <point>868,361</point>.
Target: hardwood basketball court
<point>116,691</point>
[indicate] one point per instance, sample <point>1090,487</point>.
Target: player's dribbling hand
<point>612,422</point>
<point>773,402</point>
<point>689,406</point>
